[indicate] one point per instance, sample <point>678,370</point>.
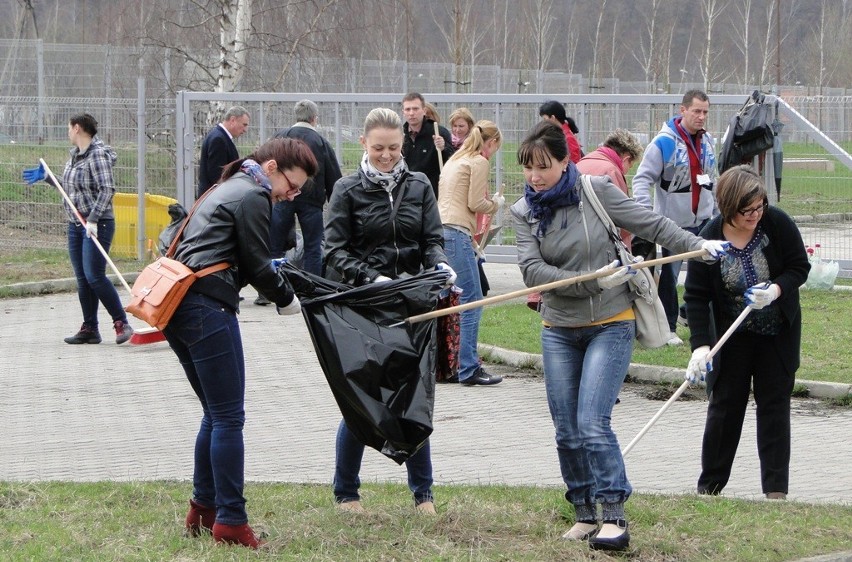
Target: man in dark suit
<point>307,206</point>
<point>421,145</point>
<point>218,148</point>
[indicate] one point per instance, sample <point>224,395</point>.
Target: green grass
<point>144,521</point>
<point>38,265</point>
<point>826,323</point>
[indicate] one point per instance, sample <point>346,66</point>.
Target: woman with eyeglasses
<point>231,224</point>
<point>763,269</point>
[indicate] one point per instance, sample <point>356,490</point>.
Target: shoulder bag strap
<point>173,246</point>
<point>598,208</point>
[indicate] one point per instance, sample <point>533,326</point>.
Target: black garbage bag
<point>382,375</point>
<point>751,131</point>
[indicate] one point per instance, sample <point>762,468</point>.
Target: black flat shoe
<point>617,543</point>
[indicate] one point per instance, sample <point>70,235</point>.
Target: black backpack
<point>750,132</point>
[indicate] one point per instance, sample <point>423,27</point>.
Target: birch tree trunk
<point>234,30</point>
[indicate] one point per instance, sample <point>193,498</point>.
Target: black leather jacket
<point>232,225</point>
<point>359,215</point>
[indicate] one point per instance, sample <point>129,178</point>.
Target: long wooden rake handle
<point>685,384</point>
<point>83,223</point>
<point>547,287</point>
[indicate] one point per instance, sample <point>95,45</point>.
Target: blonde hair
<point>480,133</point>
<point>461,113</point>
<point>382,117</point>
<point>625,144</point>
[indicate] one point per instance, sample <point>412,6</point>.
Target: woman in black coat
<point>763,269</point>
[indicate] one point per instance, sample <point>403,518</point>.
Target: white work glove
<point>715,249</point>
<point>620,276</point>
<point>762,295</point>
<point>499,199</point>
<point>449,270</point>
<point>294,307</point>
<point>381,279</point>
<point>698,366</point>
<point>91,229</point>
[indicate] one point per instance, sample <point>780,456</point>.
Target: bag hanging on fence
<point>161,286</point>
<point>751,131</point>
<point>652,325</point>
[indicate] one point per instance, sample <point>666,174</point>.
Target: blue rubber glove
<point>34,175</point>
<point>277,263</point>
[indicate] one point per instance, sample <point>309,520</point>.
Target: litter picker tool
<point>139,337</point>
<point>685,384</point>
<point>545,287</point>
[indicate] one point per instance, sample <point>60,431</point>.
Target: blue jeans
<point>461,257</point>
<point>205,336</point>
<point>584,369</point>
<point>667,288</point>
<point>349,453</point>
<point>310,220</point>
<point>89,265</point>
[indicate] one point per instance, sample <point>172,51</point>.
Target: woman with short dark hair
<point>764,268</point>
<point>587,328</point>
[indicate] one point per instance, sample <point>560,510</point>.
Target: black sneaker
<point>480,377</point>
<point>87,334</point>
<point>123,331</point>
<point>262,301</point>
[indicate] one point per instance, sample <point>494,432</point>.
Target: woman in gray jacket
<point>588,328</point>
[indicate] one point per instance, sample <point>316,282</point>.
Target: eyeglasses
<point>297,190</point>
<point>754,211</point>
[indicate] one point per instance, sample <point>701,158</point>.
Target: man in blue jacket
<point>218,148</point>
<point>677,176</point>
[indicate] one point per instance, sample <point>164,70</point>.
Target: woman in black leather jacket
<point>365,243</point>
<point>231,224</point>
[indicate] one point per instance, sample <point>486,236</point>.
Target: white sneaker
<point>674,340</point>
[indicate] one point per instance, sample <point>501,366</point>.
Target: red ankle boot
<point>236,534</point>
<point>199,519</point>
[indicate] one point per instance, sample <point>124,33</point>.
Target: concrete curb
<point>652,373</point>
<point>66,285</point>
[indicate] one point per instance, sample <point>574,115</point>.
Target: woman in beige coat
<point>463,192</point>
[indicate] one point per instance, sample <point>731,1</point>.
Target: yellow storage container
<point>126,218</point>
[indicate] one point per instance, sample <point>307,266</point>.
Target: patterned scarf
<point>253,170</point>
<point>542,204</point>
<point>386,180</point>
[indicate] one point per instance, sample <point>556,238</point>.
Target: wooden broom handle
<point>548,286</point>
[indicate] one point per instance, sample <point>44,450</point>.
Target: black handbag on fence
<point>652,326</point>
